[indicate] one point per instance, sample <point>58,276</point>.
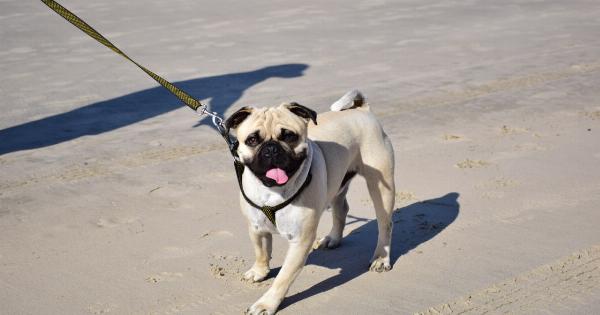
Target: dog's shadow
<point>97,118</point>
<point>413,225</point>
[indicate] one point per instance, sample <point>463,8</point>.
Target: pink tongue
<point>277,175</point>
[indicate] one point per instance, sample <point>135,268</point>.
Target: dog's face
<point>272,141</point>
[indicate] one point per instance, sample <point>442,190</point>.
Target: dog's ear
<point>302,111</point>
<point>238,117</point>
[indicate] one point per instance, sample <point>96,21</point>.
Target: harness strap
<point>269,211</point>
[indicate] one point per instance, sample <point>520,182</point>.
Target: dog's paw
<point>327,242</point>
<point>256,274</point>
<point>260,309</point>
<point>380,264</point>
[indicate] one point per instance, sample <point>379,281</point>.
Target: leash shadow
<point>414,224</point>
<point>223,90</point>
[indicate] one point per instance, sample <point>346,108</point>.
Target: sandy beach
<point>116,199</point>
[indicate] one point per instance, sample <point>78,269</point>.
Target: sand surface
<point>115,199</point>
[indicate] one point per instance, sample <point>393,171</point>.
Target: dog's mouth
<point>278,175</point>
<point>275,175</point>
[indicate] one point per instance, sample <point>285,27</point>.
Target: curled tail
<point>352,99</point>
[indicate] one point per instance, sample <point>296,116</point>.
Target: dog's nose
<point>270,150</point>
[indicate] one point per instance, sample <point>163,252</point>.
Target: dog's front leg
<point>294,261</point>
<point>262,243</point>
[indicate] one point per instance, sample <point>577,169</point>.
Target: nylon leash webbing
<point>184,97</point>
<point>83,26</point>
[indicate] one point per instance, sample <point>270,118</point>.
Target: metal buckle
<point>216,119</point>
<point>218,122</point>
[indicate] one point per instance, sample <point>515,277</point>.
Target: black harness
<point>268,211</point>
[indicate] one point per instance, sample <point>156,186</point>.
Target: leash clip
<point>216,119</point>
<point>218,122</point>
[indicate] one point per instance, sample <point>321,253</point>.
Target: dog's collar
<point>269,211</point>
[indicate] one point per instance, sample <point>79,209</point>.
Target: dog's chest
<point>288,221</point>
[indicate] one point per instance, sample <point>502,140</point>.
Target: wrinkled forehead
<point>270,120</point>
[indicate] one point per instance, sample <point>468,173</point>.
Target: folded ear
<point>302,111</point>
<point>238,117</point>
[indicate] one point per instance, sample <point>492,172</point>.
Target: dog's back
<point>352,136</point>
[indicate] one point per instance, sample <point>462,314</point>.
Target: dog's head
<point>272,141</point>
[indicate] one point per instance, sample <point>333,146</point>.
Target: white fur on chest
<point>290,218</point>
<point>288,221</point>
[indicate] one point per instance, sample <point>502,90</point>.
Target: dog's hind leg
<point>262,249</point>
<point>339,210</point>
<point>379,174</point>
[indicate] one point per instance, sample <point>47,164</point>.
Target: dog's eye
<point>252,140</point>
<point>288,136</point>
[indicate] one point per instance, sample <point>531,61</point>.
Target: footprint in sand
<point>529,147</point>
<point>468,163</point>
<point>133,224</point>
<point>229,267</point>
<point>164,277</point>
<point>493,194</point>
<point>508,130</point>
<point>224,233</point>
<point>106,223</point>
<point>100,308</point>
<point>498,183</point>
<point>453,138</point>
<point>593,115</point>
<point>403,197</point>
<point>113,222</point>
<point>496,188</point>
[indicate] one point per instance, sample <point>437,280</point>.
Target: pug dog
<point>288,157</point>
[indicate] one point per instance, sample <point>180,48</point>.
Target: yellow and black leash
<point>86,28</point>
<point>185,98</point>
